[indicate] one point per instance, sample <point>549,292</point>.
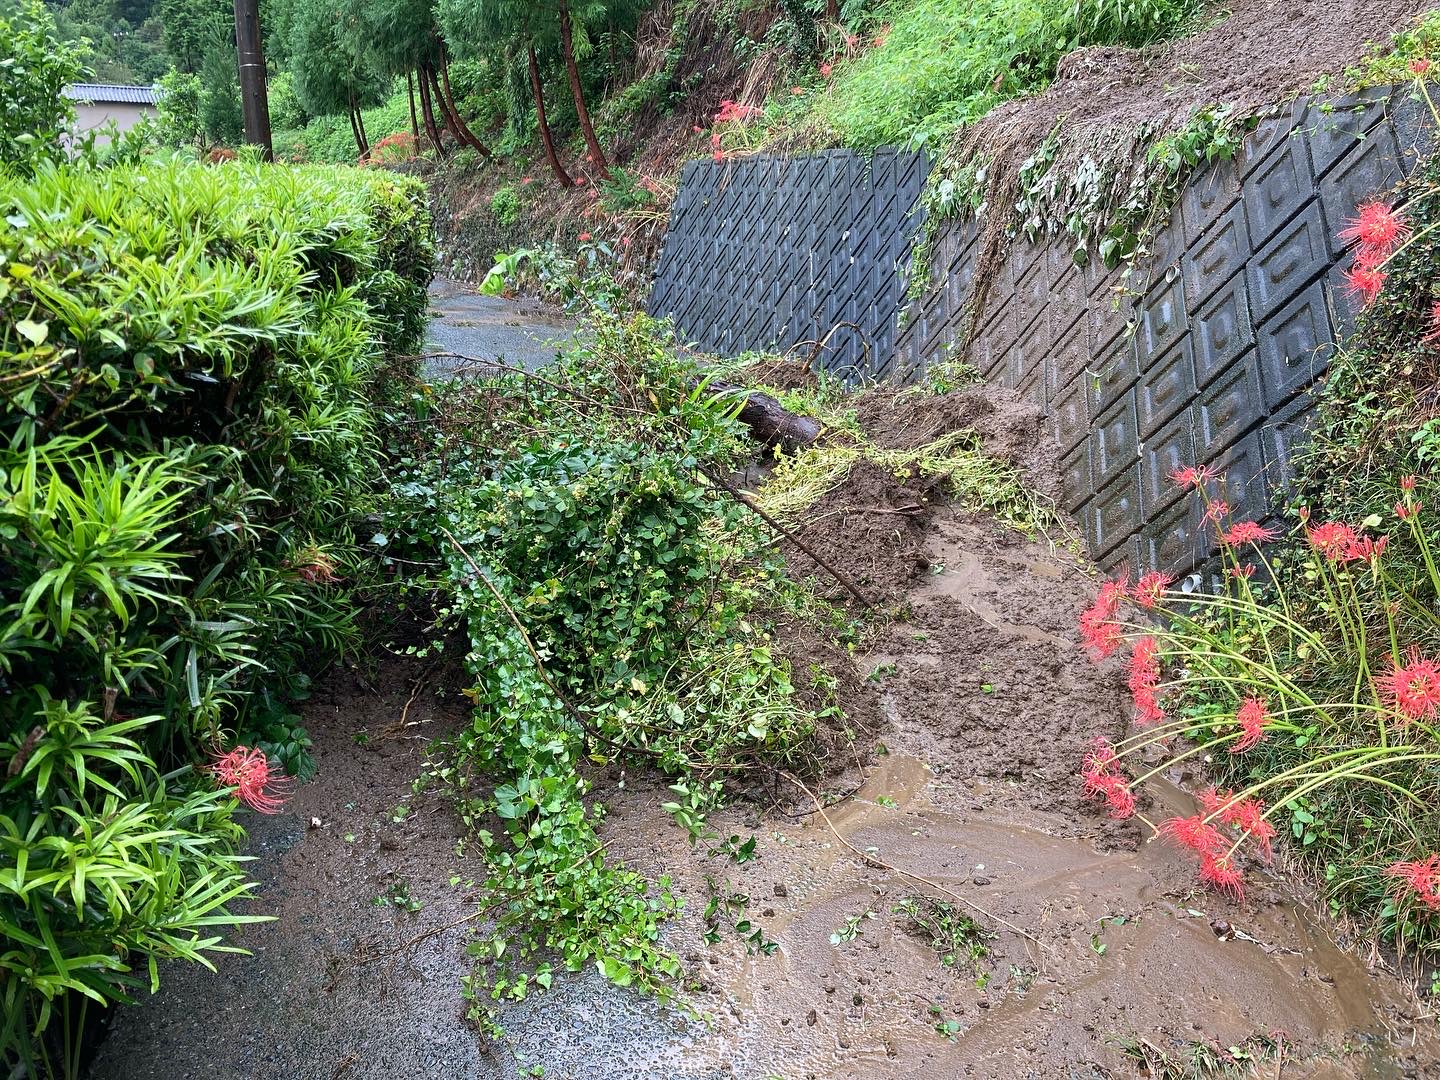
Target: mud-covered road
<point>980,703</point>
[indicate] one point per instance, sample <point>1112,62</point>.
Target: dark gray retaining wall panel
<point>772,252</point>
<point>1208,354</point>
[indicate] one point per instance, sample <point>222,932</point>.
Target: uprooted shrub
<point>1309,680</point>
<point>191,360</point>
<point>609,592</point>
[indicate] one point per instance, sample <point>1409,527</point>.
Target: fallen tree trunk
<point>770,422</point>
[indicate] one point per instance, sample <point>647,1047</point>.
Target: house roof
<point>109,93</point>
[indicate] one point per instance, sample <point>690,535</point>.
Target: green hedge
<point>193,363</point>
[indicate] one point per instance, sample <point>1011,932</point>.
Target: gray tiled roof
<point>108,93</point>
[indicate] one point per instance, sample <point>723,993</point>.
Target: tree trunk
<point>357,130</point>
<point>427,109</point>
<point>446,117</point>
<point>364,135</point>
<point>832,10</point>
<point>546,140</point>
<point>597,156</point>
<point>414,120</point>
<point>769,421</point>
<point>461,126</point>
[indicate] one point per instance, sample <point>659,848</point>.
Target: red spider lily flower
<point>1145,663</point>
<point>881,37</point>
<point>1147,706</point>
<point>697,129</point>
<point>1412,689</point>
<point>527,179</point>
<point>1192,477</point>
<point>1098,630</point>
<point>718,156</point>
<point>625,241</point>
<point>1421,878</point>
<point>584,238</point>
<point>825,69</point>
<point>1100,636</point>
<point>1144,678</point>
<point>1150,589</point>
<point>797,91</point>
<point>1238,572</point>
<point>1405,511</point>
<point>1376,229</point>
<point>1193,832</point>
<point>316,567</point>
<point>1248,815</point>
<point>250,773</point>
<point>1101,758</point>
<point>1220,873</point>
<point>851,40</point>
<point>1253,719</point>
<point>1213,801</point>
<point>1407,483</point>
<point>1364,283</point>
<point>1365,549</point>
<point>1097,770</point>
<point>1215,510</point>
<point>1419,66</point>
<point>1247,532</point>
<point>580,181</point>
<point>1332,539</point>
<point>733,110</point>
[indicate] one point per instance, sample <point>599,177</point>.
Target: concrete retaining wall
<point>1209,354</point>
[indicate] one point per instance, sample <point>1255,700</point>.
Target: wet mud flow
<point>971,710</point>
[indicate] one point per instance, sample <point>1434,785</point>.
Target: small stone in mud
<point>768,911</point>
<point>980,879</point>
<point>1222,929</point>
<point>856,999</point>
<point>780,890</point>
<point>811,1019</point>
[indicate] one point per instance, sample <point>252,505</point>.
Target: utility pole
<point>252,76</point>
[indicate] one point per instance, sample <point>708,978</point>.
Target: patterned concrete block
<point>1277,189</point>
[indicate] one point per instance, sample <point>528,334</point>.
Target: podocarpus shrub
<point>191,360</point>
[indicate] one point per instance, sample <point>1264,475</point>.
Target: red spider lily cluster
<point>730,112</point>
<point>1408,692</point>
<point>257,783</point>
<point>1375,233</point>
<point>1203,833</point>
<point>1420,880</point>
<point>1144,681</point>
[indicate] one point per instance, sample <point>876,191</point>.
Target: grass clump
<point>972,478</point>
<point>940,64</point>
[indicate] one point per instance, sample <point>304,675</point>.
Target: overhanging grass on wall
<point>192,367</point>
